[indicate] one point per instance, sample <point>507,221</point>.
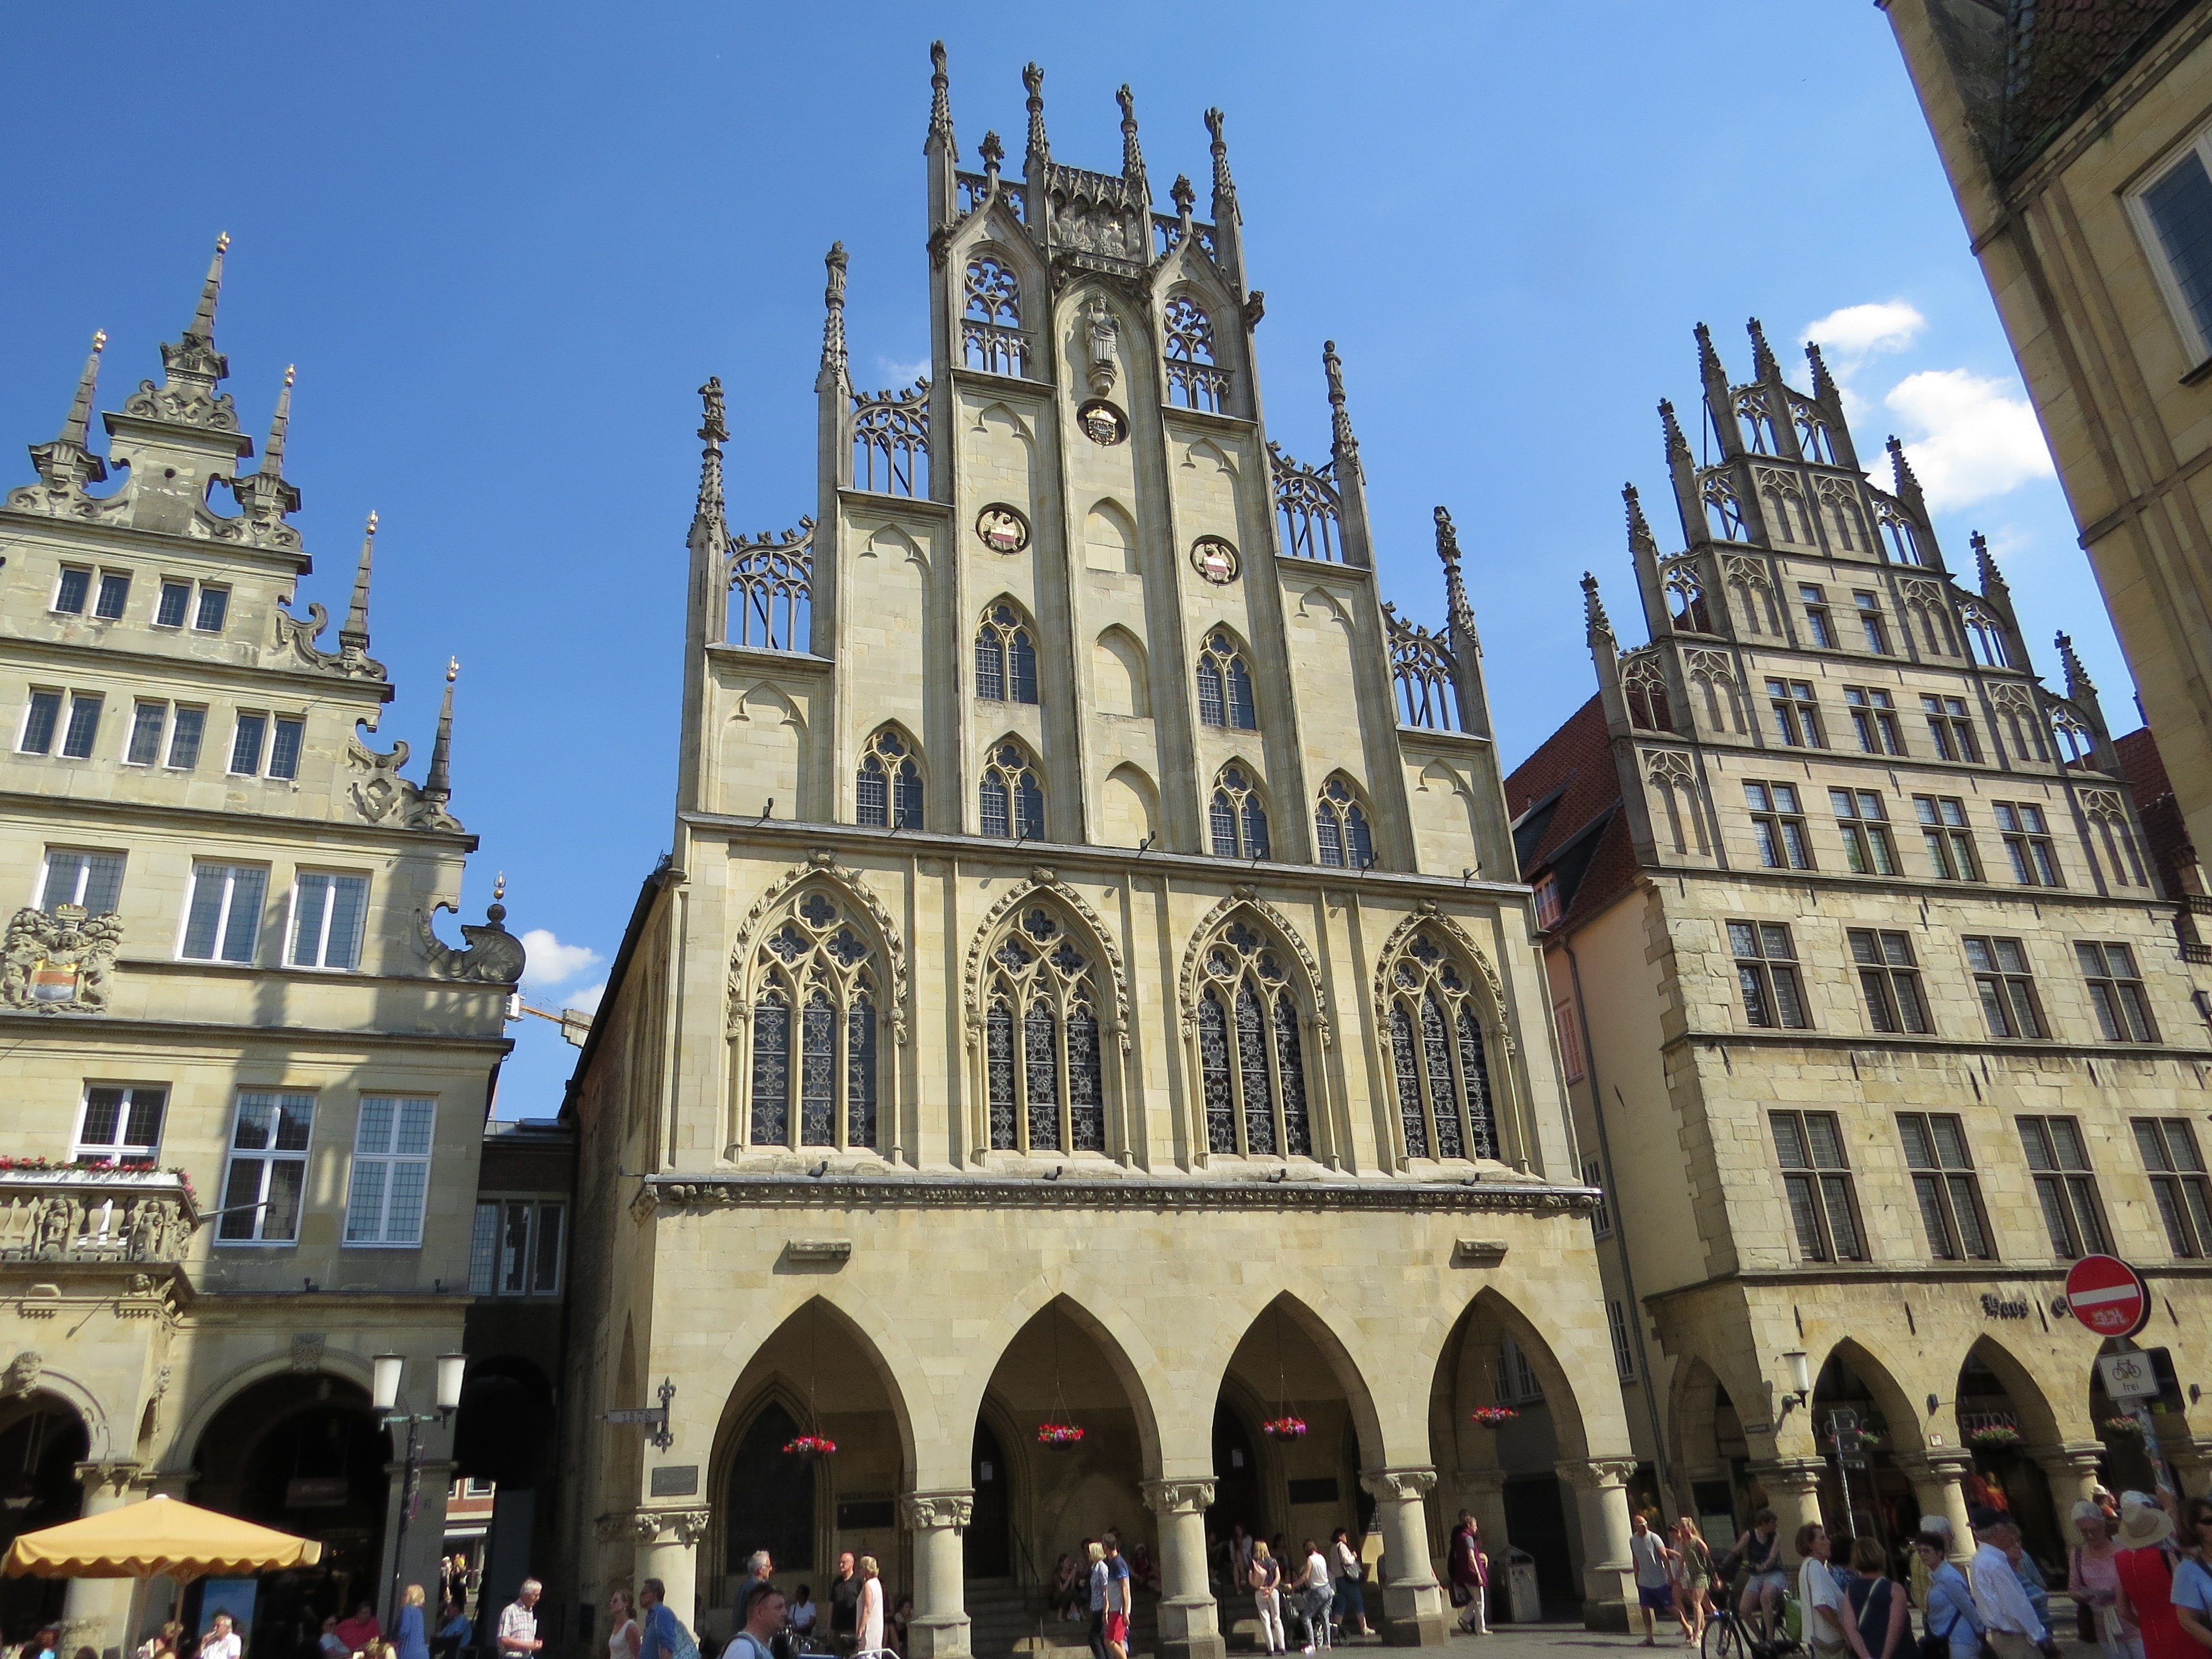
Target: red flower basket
<point>1059,1436</point>
<point>1492,1416</point>
<point>810,1445</point>
<point>1284,1428</point>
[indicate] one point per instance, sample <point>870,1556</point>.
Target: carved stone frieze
<point>493,956</point>
<point>58,962</point>
<point>307,1351</point>
<point>1597,1474</point>
<point>380,795</point>
<point>933,1511</point>
<point>1399,1484</point>
<point>1178,1497</point>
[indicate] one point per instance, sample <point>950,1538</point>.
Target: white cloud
<point>902,374</point>
<point>552,962</point>
<point>585,1001</point>
<point>1854,332</point>
<point>1975,440</point>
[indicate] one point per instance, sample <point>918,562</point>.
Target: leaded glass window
<point>1236,817</point>
<point>1006,658</point>
<point>1043,984</point>
<point>1438,1054</point>
<point>1225,686</point>
<point>1009,798</point>
<point>1341,832</point>
<point>1252,1077</point>
<point>887,794</point>
<point>816,970</point>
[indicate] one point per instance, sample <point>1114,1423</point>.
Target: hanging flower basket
<point>2121,1425</point>
<point>1492,1416</point>
<point>1059,1436</point>
<point>1994,1438</point>
<point>810,1445</point>
<point>1284,1428</point>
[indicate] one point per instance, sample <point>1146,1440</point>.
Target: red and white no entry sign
<point>2108,1296</point>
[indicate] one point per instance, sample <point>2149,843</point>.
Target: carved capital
<point>1178,1497</point>
<point>2075,1458</point>
<point>1797,1475</point>
<point>934,1511</point>
<point>1596,1474</point>
<point>1401,1483</point>
<point>105,1476</point>
<point>683,1527</point>
<point>1942,1465</point>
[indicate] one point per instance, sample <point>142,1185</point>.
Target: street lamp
<point>1801,1381</point>
<point>385,1372</point>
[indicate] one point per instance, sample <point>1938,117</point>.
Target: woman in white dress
<point>872,1606</point>
<point>624,1641</point>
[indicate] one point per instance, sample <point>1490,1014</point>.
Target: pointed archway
<point>2003,1412</point>
<point>1866,1493</point>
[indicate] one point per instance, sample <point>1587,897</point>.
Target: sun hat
<point>2142,1522</point>
<point>1936,1524</point>
<point>2086,1509</point>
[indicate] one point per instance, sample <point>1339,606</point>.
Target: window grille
<point>1422,673</point>
<point>1820,621</point>
<point>1225,686</point>
<point>887,791</point>
<point>1943,1184</point>
<point>1010,797</point>
<point>1341,833</point>
<point>1951,728</point>
<point>1645,688</point>
<point>1796,714</point>
<point>814,981</point>
<point>1890,980</point>
<point>114,594</point>
<point>1042,983</point>
<point>1439,1055</point>
<point>121,1127</point>
<point>891,440</point>
<point>267,1176</point>
<point>1767,971</point>
<point>327,914</point>
<point>222,912</point>
<point>1236,817</point>
<point>2028,844</point>
<point>1194,380</point>
<point>1863,822</point>
<point>1874,720</point>
<point>1308,504</point>
<point>391,1175</point>
<point>991,325</point>
<point>1251,1050</point>
<point>1777,825</point>
<point>2176,1167</point>
<point>93,881</point>
<point>2065,1187</point>
<point>1817,1181</point>
<point>1949,842</point>
<point>1006,658</point>
<point>2116,992</point>
<point>2005,987</point>
<point>771,581</point>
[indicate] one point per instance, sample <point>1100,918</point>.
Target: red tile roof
<point>1574,790</point>
<point>2163,825</point>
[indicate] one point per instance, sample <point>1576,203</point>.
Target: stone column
<point>1190,1622</point>
<point>2071,1469</point>
<point>939,1628</point>
<point>1793,1493</point>
<point>2191,1462</point>
<point>1939,1482</point>
<point>1485,1499</point>
<point>668,1549</point>
<point>1412,1601</point>
<point>96,1612</point>
<point>1608,1570</point>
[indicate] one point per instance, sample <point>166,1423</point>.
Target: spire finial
<point>1676,443</point>
<point>192,367</point>
<point>1763,366</point>
<point>1132,159</point>
<point>2077,676</point>
<point>499,886</point>
<point>1457,611</point>
<point>67,464</point>
<point>203,323</point>
<point>994,157</point>
<point>263,494</point>
<point>1040,147</point>
<point>438,780</point>
<point>1908,486</point>
<point>940,102</point>
<point>714,432</point>
<point>1640,538</point>
<point>1824,387</point>
<point>1595,623</point>
<point>1224,187</point>
<point>1183,197</point>
<point>353,638</point>
<point>833,323</point>
<point>1985,564</point>
<point>1709,361</point>
<point>1346,447</point>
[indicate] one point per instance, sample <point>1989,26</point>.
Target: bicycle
<point>1729,1637</point>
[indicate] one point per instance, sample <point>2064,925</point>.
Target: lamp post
<point>385,1372</point>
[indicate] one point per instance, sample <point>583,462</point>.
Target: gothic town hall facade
<point>1075,999</point>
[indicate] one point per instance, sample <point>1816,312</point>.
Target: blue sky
<point>505,244</point>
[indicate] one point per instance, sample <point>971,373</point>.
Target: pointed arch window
<point>1042,993</point>
<point>1644,687</point>
<point>1225,686</point>
<point>817,1016</point>
<point>1194,380</point>
<point>1236,817</point>
<point>1756,417</point>
<point>1439,1056</point>
<point>1009,798</point>
<point>1251,1053</point>
<point>991,322</point>
<point>1006,658</point>
<point>1341,834</point>
<point>887,793</point>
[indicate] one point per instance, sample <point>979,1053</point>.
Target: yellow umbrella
<point>161,1537</point>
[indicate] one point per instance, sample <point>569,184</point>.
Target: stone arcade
<point>1075,996</point>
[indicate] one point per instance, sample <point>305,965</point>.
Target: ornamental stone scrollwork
<point>1401,1485</point>
<point>1178,1497</point>
<point>21,1376</point>
<point>2104,804</point>
<point>1709,665</point>
<point>1597,1474</point>
<point>298,635</point>
<point>1919,591</point>
<point>58,963</point>
<point>380,795</point>
<point>1669,767</point>
<point>493,956</point>
<point>683,1527</point>
<point>1045,881</point>
<point>824,865</point>
<point>1246,896</point>
<point>307,1352</point>
<point>1741,570</point>
<point>1425,914</point>
<point>934,1511</point>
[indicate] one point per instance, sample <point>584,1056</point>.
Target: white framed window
<point>83,728</point>
<point>120,1125</point>
<point>2173,213</point>
<point>72,589</point>
<point>290,737</point>
<point>390,1172</point>
<point>1548,902</point>
<point>75,876</point>
<point>517,1248</point>
<point>222,912</point>
<point>175,603</point>
<point>185,732</point>
<point>148,719</point>
<point>42,718</point>
<point>213,609</point>
<point>113,595</point>
<point>248,739</point>
<point>1571,1039</point>
<point>267,1176</point>
<point>327,911</point>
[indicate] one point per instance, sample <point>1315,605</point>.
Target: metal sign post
<point>1851,1454</point>
<point>2130,1380</point>
<point>652,1417</point>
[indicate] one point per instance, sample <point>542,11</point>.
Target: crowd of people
<point>2141,1580</point>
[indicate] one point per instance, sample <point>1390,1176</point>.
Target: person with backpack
<point>761,1614</point>
<point>1949,1616</point>
<point>661,1634</point>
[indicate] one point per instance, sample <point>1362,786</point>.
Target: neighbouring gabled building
<point>247,1082</point>
<point>1085,1056</point>
<point>1873,1018</point>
